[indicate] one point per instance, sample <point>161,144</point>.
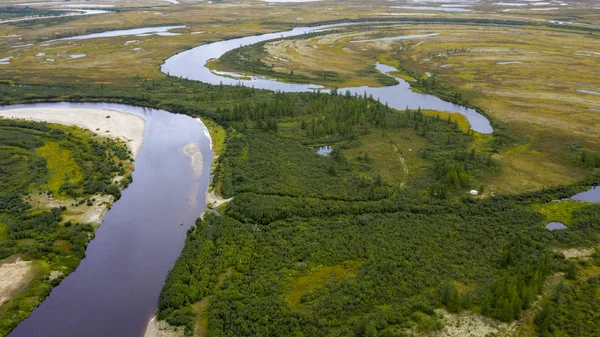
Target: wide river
<point>115,289</point>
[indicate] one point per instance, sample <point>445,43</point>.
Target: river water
<point>191,64</point>
<point>115,289</point>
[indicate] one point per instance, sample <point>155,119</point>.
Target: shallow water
<point>591,195</point>
<point>588,92</point>
<point>125,32</point>
<point>76,56</point>
<point>432,8</point>
<point>115,289</point>
<point>191,64</point>
<point>324,150</point>
<point>555,226</point>
<point>403,37</point>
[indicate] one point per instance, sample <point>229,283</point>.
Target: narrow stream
<point>115,289</point>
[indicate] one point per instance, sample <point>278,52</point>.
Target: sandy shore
<point>124,126</point>
<point>162,329</point>
<point>13,277</point>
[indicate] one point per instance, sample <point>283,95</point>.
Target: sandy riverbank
<point>156,328</point>
<point>124,126</point>
<point>15,274</point>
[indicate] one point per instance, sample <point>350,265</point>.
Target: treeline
<point>11,12</point>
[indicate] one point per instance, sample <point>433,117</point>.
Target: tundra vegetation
<point>49,175</point>
<point>381,237</point>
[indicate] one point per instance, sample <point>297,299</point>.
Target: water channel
<point>191,64</point>
<point>115,289</point>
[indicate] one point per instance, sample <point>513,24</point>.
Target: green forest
<point>391,254</point>
<point>45,164</point>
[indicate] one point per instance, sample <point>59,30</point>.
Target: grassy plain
<point>110,61</point>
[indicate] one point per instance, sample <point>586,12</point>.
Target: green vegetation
<point>296,213</point>
<point>23,11</point>
<point>369,241</point>
<point>560,211</point>
<point>572,308</point>
<point>42,164</point>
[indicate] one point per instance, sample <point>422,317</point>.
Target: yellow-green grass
<point>3,232</point>
<point>62,167</point>
<point>464,287</point>
<point>560,211</point>
<point>385,159</point>
<point>315,279</point>
<point>200,308</point>
<point>217,135</point>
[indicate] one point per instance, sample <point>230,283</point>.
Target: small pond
<point>555,226</point>
<point>323,150</point>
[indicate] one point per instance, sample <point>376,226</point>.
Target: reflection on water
<point>324,150</point>
<point>556,226</point>
<point>591,195</point>
<point>164,30</point>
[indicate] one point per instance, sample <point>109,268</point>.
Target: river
<point>191,64</point>
<point>115,289</point>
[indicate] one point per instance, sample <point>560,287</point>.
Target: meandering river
<point>191,64</point>
<point>115,289</point>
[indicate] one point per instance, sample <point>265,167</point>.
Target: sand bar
<point>124,126</point>
<point>13,277</point>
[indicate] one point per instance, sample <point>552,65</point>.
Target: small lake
<point>403,37</point>
<point>191,64</point>
<point>432,8</point>
<point>555,226</point>
<point>164,30</point>
<point>583,91</point>
<point>591,195</point>
<point>324,150</point>
<point>114,291</point>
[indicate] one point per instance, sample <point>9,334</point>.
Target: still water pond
<point>115,289</point>
<point>555,225</point>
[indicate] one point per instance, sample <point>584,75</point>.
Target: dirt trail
<point>401,160</point>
